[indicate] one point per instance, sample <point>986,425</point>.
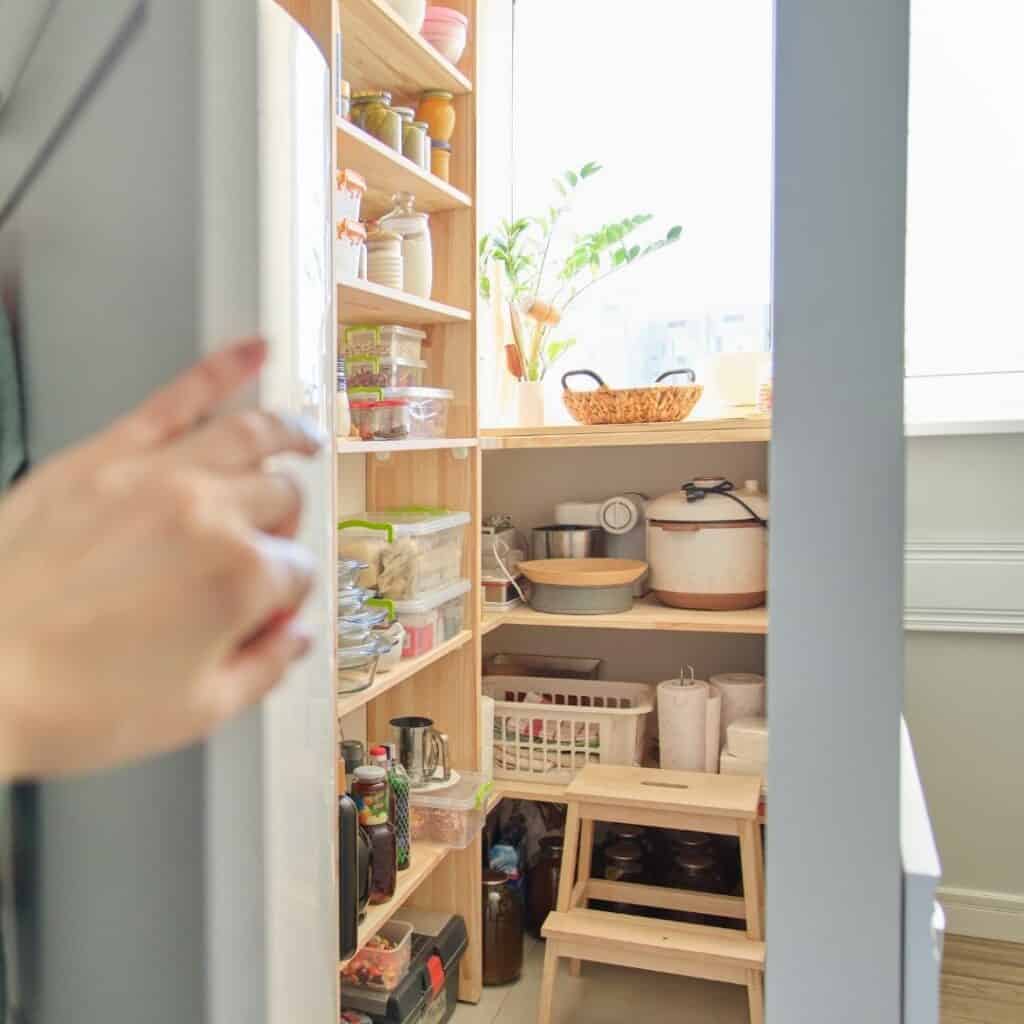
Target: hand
<point>149,578</point>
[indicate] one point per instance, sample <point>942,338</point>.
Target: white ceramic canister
<point>417,250</point>
<point>384,259</point>
<point>707,545</point>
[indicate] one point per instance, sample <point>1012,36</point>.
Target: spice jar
<point>417,250</point>
<point>440,160</point>
<point>384,258</point>
<point>438,110</point>
<point>542,883</point>
<point>414,142</point>
<point>502,930</point>
<point>425,160</point>
<point>371,111</point>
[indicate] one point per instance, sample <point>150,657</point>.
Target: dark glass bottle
<point>542,883</point>
<point>502,930</point>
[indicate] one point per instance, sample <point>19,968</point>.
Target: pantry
<point>465,703</point>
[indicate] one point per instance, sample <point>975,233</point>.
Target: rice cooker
<point>707,545</point>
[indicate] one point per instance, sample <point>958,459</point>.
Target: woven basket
<point>660,403</point>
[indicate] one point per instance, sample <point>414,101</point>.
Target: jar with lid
<point>502,930</point>
<point>697,871</point>
<point>384,264</point>
<point>417,251</point>
<point>414,140</point>
<point>370,791</point>
<point>425,160</point>
<point>623,862</point>
<point>438,110</point>
<point>542,883</point>
<point>371,111</point>
<point>441,159</point>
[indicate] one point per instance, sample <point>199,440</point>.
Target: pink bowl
<point>449,14</point>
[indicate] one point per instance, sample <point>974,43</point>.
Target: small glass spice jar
<point>441,160</point>
<point>425,128</point>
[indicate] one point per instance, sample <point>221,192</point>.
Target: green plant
<point>545,275</point>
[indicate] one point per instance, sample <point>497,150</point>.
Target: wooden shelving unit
<point>387,172</point>
<point>425,858</point>
<point>363,302</point>
<point>734,430</point>
<point>645,614</point>
<point>348,446</point>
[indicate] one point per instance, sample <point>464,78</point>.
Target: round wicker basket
<point>660,403</point>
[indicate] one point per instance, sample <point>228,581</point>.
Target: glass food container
<point>371,111</point>
<point>425,157</point>
<point>386,340</point>
<point>348,572</point>
<point>542,883</point>
<point>438,110</point>
<point>417,251</point>
<point>441,160</point>
<point>357,666</point>
<point>502,930</point>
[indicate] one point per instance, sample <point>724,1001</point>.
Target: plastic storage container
<point>409,550</point>
<point>381,969</point>
<point>349,241</point>
<point>452,816</point>
<point>430,990</point>
<point>386,372</point>
<point>428,409</point>
<point>349,189</point>
<point>432,618</point>
<point>547,729</point>
<point>385,340</point>
<point>380,419</point>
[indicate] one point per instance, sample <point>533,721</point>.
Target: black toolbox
<point>429,992</point>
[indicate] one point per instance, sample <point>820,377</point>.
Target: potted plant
<point>543,273</point>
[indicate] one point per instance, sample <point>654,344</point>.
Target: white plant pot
<point>530,403</point>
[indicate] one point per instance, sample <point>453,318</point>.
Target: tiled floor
<point>607,995</point>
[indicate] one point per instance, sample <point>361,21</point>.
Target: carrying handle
<point>364,524</point>
<point>438,756</point>
<point>383,602</point>
<point>671,373</point>
<point>581,373</point>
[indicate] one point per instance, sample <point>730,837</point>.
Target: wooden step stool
<point>693,801</point>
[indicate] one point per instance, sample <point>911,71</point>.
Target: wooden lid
<point>583,572</point>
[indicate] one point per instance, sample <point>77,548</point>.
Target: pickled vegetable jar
<point>372,112</point>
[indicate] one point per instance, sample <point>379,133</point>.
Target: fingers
<point>271,502</point>
<point>269,578</point>
<point>261,665</point>
<point>241,441</point>
<point>194,395</point>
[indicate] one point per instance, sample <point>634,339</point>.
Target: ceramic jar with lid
<point>417,251</point>
<point>707,545</point>
<point>384,258</point>
<point>437,108</point>
<point>502,930</point>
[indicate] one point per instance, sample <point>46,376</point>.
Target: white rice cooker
<point>707,546</point>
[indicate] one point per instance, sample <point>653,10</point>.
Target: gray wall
<point>965,690</point>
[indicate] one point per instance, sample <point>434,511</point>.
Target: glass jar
<point>502,930</point>
<point>414,142</point>
<point>370,792</point>
<point>425,128</point>
<point>438,110</point>
<point>371,111</point>
<point>441,160</point>
<point>384,864</point>
<point>624,862</point>
<point>542,883</point>
<point>417,250</point>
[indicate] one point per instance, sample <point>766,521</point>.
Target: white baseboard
<point>983,915</point>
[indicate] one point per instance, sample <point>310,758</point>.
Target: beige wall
<point>965,690</point>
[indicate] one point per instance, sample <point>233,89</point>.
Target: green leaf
<point>485,287</point>
<point>588,169</point>
<point>674,233</point>
<point>570,176</point>
<point>561,188</point>
<point>634,252</point>
<point>556,349</point>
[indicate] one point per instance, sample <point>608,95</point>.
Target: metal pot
<point>565,542</point>
<point>707,545</point>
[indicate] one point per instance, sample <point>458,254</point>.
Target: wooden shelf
<point>425,857</point>
<point>405,669</point>
<point>735,430</point>
<point>645,614</point>
<point>362,302</point>
<point>387,172</point>
<point>350,446</point>
<point>382,52</point>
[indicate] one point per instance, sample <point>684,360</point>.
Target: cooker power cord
<point>724,488</point>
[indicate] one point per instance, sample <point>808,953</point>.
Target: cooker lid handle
<point>699,489</point>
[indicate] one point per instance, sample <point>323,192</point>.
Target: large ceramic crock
<point>707,545</point>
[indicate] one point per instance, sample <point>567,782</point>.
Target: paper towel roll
<point>688,725</point>
<point>747,738</point>
<point>742,697</point>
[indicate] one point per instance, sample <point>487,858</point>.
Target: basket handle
<point>671,373</point>
<point>581,373</point>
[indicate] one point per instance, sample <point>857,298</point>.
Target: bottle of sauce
<point>370,791</point>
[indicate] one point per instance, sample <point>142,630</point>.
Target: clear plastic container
<point>387,419</point>
<point>452,816</point>
<point>428,409</point>
<point>381,969</point>
<point>432,618</point>
<point>410,551</point>
<point>349,189</point>
<point>349,242</point>
<point>384,372</point>
<point>383,340</point>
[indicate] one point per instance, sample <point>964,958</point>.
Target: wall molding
<point>983,915</point>
<point>965,585</point>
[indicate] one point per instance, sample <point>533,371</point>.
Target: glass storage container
<point>384,340</point>
<point>371,111</point>
<point>417,251</point>
<point>437,108</point>
<point>502,930</point>
<point>410,551</point>
<point>425,156</point>
<point>428,409</point>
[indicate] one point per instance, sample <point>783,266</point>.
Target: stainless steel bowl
<point>565,542</point>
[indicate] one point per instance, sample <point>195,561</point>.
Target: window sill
<point>989,403</point>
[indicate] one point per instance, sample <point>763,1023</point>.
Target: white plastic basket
<point>545,730</point>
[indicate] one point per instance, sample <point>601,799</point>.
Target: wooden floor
<point>982,981</point>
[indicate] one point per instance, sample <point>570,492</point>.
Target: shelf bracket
<point>461,453</point>
<point>382,456</point>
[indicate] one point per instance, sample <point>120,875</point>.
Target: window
<point>674,101</point>
<point>965,211</point>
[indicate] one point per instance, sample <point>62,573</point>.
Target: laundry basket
<point>545,730</point>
